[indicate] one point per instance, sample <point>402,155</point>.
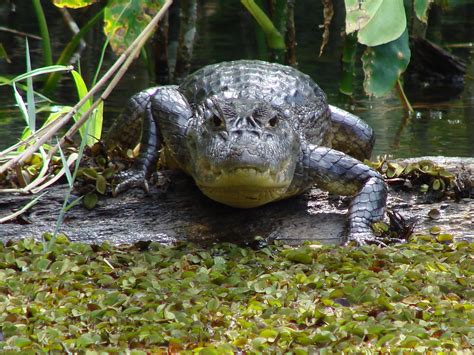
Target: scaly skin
<point>251,132</point>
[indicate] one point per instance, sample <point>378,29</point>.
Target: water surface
<point>441,126</point>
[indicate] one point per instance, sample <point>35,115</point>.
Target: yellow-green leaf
<point>100,184</point>
<point>359,13</point>
<point>73,4</point>
<point>125,19</point>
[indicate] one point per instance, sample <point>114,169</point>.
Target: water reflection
<point>225,32</point>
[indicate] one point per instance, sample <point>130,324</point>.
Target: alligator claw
<point>365,238</point>
<point>129,179</point>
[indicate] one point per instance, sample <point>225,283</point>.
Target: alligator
<point>251,132</point>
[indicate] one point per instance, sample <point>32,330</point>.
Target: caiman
<point>249,133</point>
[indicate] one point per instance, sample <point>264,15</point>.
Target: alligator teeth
<point>253,171</point>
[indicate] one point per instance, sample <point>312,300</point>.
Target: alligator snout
<point>243,157</point>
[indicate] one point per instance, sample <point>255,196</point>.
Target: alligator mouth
<point>245,187</point>
<point>242,197</point>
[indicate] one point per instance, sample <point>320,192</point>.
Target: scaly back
<point>293,92</point>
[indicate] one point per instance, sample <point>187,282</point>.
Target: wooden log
<point>183,213</point>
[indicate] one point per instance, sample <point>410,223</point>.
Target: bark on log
<point>183,213</point>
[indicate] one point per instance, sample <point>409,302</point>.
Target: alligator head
<point>243,151</point>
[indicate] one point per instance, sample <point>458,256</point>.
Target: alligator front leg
<point>164,109</point>
<point>150,142</point>
<point>341,174</point>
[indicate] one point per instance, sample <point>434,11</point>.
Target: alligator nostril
<point>273,121</point>
<point>218,122</point>
<point>237,132</point>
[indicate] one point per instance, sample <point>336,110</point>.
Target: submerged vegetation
<point>225,298</point>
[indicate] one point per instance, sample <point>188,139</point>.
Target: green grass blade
<point>73,203</point>
<point>81,88</point>
<point>64,208</point>
<point>43,25</point>
<point>95,132</point>
<point>30,95</point>
<point>81,92</point>
<point>43,70</point>
<point>21,104</point>
<point>68,51</point>
<point>23,209</point>
<point>67,172</point>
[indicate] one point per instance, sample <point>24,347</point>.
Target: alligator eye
<point>273,121</point>
<point>218,122</point>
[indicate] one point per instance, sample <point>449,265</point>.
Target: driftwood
<point>183,213</point>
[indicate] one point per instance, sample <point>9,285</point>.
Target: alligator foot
<point>128,179</point>
<point>366,238</point>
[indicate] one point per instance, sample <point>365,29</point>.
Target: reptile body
<point>252,132</point>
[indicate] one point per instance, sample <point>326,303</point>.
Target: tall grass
<point>90,133</point>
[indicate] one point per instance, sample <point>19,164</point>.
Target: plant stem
<point>403,97</point>
<point>43,27</point>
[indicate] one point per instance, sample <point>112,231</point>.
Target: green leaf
<point>22,342</point>
<point>445,237</point>
<point>87,339</point>
<point>359,13</point>
<point>60,267</point>
<point>95,129</point>
<point>3,54</point>
<point>384,64</point>
<point>209,351</point>
<point>388,24</point>
<point>132,310</point>
<point>125,19</point>
<point>90,200</point>
<point>100,184</point>
<point>421,9</point>
<point>82,91</point>
<point>73,4</point>
<point>302,255</point>
<point>269,334</point>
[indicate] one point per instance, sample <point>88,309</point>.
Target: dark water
<point>442,125</point>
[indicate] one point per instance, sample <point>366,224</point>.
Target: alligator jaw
<point>242,197</point>
<point>245,187</point>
